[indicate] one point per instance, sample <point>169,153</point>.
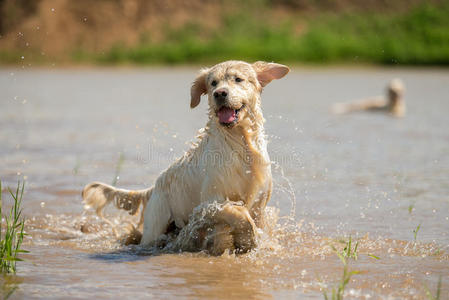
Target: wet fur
<point>228,166</point>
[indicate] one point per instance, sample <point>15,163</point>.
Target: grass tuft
<point>415,232</point>
<point>338,291</point>
<point>348,252</point>
<point>11,233</point>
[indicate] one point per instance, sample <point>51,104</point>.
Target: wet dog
<point>216,193</point>
<point>393,103</point>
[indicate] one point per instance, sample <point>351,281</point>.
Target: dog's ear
<point>198,88</point>
<point>266,72</point>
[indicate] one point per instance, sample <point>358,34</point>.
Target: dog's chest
<point>232,172</point>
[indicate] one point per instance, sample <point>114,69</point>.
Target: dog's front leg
<point>257,211</point>
<point>242,225</point>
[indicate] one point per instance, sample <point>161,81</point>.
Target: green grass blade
<point>13,233</point>
<point>22,251</point>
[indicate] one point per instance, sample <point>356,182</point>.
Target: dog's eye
<point>238,79</point>
<point>214,83</point>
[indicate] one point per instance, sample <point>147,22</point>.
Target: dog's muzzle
<point>228,116</point>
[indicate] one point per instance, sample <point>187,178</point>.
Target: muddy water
<point>368,176</point>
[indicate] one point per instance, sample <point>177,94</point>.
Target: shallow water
<point>365,175</point>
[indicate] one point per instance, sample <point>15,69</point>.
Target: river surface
<point>365,176</point>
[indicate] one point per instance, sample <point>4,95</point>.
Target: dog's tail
<point>97,195</point>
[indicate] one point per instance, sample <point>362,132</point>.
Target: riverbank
<point>415,35</point>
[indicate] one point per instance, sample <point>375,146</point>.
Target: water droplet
<point>42,204</point>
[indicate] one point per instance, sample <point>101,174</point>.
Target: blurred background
<point>407,32</point>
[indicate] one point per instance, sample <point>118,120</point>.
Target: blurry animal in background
<point>213,198</point>
<point>393,103</point>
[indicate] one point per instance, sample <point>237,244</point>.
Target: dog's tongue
<point>226,115</point>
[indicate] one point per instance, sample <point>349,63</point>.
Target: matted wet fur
<point>228,168</point>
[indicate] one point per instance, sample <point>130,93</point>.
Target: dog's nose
<point>221,94</point>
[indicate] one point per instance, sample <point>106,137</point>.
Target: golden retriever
<point>220,187</point>
<point>394,102</point>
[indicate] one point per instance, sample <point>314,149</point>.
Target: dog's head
<point>233,89</point>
